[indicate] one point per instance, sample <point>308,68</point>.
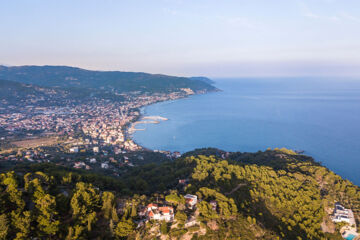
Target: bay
<point>318,115</point>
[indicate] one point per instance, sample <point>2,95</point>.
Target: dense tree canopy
<point>265,195</point>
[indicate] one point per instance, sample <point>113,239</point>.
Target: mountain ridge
<point>66,76</point>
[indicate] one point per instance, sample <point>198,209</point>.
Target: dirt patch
<point>36,142</point>
<point>213,225</point>
<point>328,226</point>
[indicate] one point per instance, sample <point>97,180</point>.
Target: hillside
<point>275,194</point>
<point>22,94</point>
<point>63,76</point>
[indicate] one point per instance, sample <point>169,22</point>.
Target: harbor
<point>145,120</point>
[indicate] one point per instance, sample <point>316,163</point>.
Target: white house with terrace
<point>341,214</point>
<point>164,213</point>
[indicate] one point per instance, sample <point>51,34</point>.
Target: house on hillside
<point>164,213</point>
<point>191,200</point>
<point>341,214</point>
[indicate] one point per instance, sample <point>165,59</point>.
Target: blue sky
<point>227,38</point>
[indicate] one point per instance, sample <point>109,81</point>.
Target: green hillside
<point>21,94</point>
<point>63,76</point>
<point>275,194</point>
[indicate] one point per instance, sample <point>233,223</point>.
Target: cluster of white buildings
<point>342,214</point>
<point>164,213</point>
<point>53,119</point>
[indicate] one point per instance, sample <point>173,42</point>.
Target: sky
<point>227,38</point>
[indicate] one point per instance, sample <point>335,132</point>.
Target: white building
<point>95,149</point>
<point>341,214</point>
<point>74,149</point>
<point>105,165</point>
<point>92,160</point>
<point>191,200</point>
<point>164,213</point>
<point>79,165</point>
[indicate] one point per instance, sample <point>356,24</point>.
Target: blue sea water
<point>319,116</point>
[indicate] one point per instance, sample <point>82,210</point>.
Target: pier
<point>146,120</point>
<point>155,118</point>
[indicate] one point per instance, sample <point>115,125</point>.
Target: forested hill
<point>21,94</point>
<point>63,76</point>
<point>276,194</point>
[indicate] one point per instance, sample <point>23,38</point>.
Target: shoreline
<point>129,135</point>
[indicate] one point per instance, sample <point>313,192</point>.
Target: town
<point>93,134</point>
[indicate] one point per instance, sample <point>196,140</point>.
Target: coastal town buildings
<point>72,132</point>
<point>105,165</point>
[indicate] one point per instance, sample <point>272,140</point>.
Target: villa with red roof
<point>164,213</point>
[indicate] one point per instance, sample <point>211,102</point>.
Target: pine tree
<point>21,222</point>
<point>4,227</point>
<point>114,215</point>
<point>108,202</point>
<point>124,228</point>
<point>46,219</point>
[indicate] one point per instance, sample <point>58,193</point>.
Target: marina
<point>145,120</point>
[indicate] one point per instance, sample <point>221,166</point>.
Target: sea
<point>320,116</point>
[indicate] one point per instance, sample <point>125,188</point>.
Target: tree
<point>75,232</point>
<point>108,202</point>
<point>111,227</point>
<point>133,210</point>
<point>84,204</point>
<point>124,228</point>
<point>46,219</point>
<point>175,199</point>
<point>181,217</point>
<point>84,201</point>
<point>91,219</point>
<point>206,210</point>
<point>21,222</point>
<point>114,215</point>
<point>4,228</point>
<point>13,195</point>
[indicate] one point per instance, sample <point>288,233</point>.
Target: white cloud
<point>342,16</point>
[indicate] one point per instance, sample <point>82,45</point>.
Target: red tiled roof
<point>165,209</point>
<point>152,205</point>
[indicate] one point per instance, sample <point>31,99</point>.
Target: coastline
<point>128,129</point>
<point>319,151</point>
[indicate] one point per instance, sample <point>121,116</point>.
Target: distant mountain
<point>63,76</point>
<point>203,79</point>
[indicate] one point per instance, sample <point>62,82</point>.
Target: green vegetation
<point>70,77</point>
<point>275,194</point>
<point>20,94</point>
